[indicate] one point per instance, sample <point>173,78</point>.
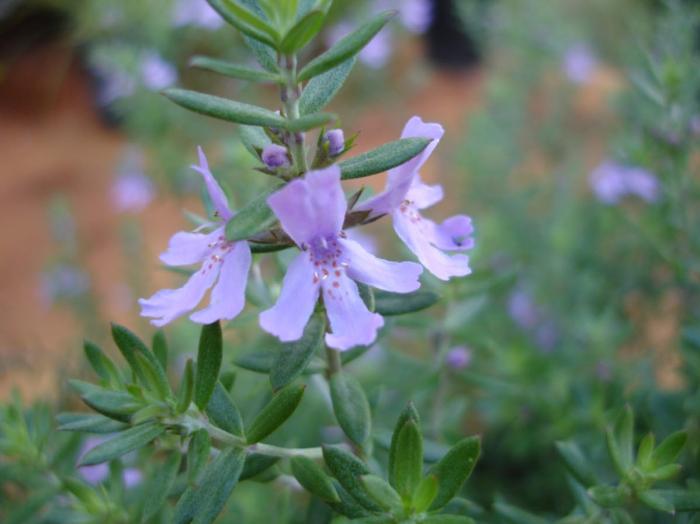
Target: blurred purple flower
<point>196,13</point>
<point>458,357</point>
<point>312,211</point>
<point>416,15</point>
<point>156,72</point>
<point>131,190</point>
<point>579,63</point>
<point>522,309</point>
<point>229,261</point>
<point>405,195</point>
<point>695,125</point>
<point>275,156</point>
<point>336,141</point>
<point>98,472</point>
<point>62,282</point>
<point>132,477</point>
<point>611,182</point>
<point>375,54</point>
<point>114,83</point>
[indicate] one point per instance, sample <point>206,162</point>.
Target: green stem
<point>335,365</point>
<point>290,94</point>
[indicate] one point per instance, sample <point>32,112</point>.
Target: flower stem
<point>334,362</point>
<point>290,94</point>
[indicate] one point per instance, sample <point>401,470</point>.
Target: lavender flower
<point>579,63</point>
<point>229,261</point>
<point>156,72</point>
<point>523,310</point>
<point>196,13</point>
<point>132,190</point>
<point>405,195</point>
<point>98,473</point>
<point>336,141</point>
<point>611,182</point>
<point>62,282</point>
<point>458,357</point>
<point>416,15</point>
<point>275,156</point>
<point>312,211</point>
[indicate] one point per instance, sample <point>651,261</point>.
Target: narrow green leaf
<point>197,454</point>
<point>391,304</point>
<point>223,412</point>
<point>314,479</point>
<point>351,407</point>
<point>155,379</point>
<point>303,31</point>
<point>367,296</point>
<point>273,415</point>
<point>382,493</point>
<point>126,441</point>
<point>680,499</point>
<point>607,496</point>
<point>102,365</point>
<point>408,413</point>
<point>294,357</point>
<point>256,361</point>
<point>88,423</point>
<point>186,391</point>
<point>248,17</point>
<point>311,121</point>
<point>202,503</point>
<point>238,71</point>
<point>447,519</point>
<point>623,431</point>
<point>454,469</point>
<point>130,345</point>
<point>159,485</point>
<point>657,501</point>
<point>160,348</point>
<point>256,463</point>
<point>425,493</point>
<point>669,449</point>
<point>254,139</point>
<point>224,109</point>
<point>253,218</point>
<point>408,460</point>
<point>348,469</point>
<point>515,515</point>
<point>208,363</point>
<point>665,472</point>
<point>645,450</point>
<point>576,463</point>
<point>383,158</point>
<point>322,89</point>
<point>346,47</point>
<point>114,404</point>
<point>348,505</point>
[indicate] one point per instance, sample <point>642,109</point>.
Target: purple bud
<point>275,156</point>
<point>458,357</point>
<point>336,141</point>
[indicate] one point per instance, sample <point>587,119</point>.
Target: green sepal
<point>275,413</point>
<point>224,109</point>
<point>391,304</point>
<point>348,469</point>
<point>88,423</point>
<point>186,391</point>
<point>223,413</point>
<point>322,88</point>
<point>314,479</point>
<point>197,454</point>
<point>124,442</point>
<point>454,469</point>
<point>303,31</point>
<point>160,348</point>
<point>351,407</point>
<point>255,464</point>
<point>238,71</point>
<point>425,493</point>
<point>253,218</point>
<point>383,158</point>
<point>101,364</point>
<point>407,460</point>
<point>669,449</point>
<point>382,493</point>
<point>201,503</point>
<point>294,357</point>
<point>346,48</point>
<point>157,488</point>
<point>209,357</point>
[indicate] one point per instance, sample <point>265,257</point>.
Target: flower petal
<point>398,277</point>
<point>288,317</point>
<point>189,248</point>
<point>352,324</point>
<point>455,234</point>
<point>422,195</point>
<point>228,295</point>
<point>312,207</point>
<point>217,195</point>
<point>168,304</point>
<point>418,239</point>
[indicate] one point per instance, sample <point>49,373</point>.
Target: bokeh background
<point>572,131</point>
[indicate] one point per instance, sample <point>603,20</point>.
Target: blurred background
<point>572,131</point>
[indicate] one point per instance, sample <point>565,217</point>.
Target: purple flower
<point>275,156</point>
<point>132,477</point>
<point>62,282</point>
<point>229,261</point>
<point>97,472</point>
<point>416,15</point>
<point>579,63</point>
<point>336,141</point>
<point>458,357</point>
<point>523,310</point>
<point>405,195</point>
<point>611,182</point>
<point>132,190</point>
<point>156,72</point>
<point>312,211</point>
<point>196,13</point>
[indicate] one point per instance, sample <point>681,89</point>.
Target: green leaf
<point>351,407</point>
<point>382,493</point>
<point>224,109</point>
<point>238,71</point>
<point>607,496</point>
<point>679,499</point>
<point>348,505</point>
<point>126,441</point>
<point>303,31</point>
<point>313,478</point>
<point>575,462</point>
<point>657,501</point>
<point>425,493</point>
<point>102,365</point>
<point>208,363</point>
<point>447,519</point>
<point>408,460</point>
<point>256,463</point>
<point>160,348</point>
<point>294,357</point>
<point>273,415</point>
<point>308,122</point>
<point>348,469</point>
<point>114,404</point>
<point>223,412</point>
<point>256,361</point>
<point>645,450</point>
<point>383,158</point>
<point>367,296</point>
<point>346,47</point>
<point>623,435</point>
<point>248,23</point>
<point>454,469</point>
<point>253,218</point>
<point>254,139</point>
<point>201,503</point>
<point>197,454</point>
<point>665,472</point>
<point>88,423</point>
<point>186,391</point>
<point>390,304</point>
<point>130,345</point>
<point>159,485</point>
<point>322,89</point>
<point>155,378</point>
<point>409,413</point>
<point>669,449</point>
<point>516,515</point>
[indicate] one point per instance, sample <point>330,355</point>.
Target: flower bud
<point>275,156</point>
<point>336,141</point>
<point>458,358</point>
